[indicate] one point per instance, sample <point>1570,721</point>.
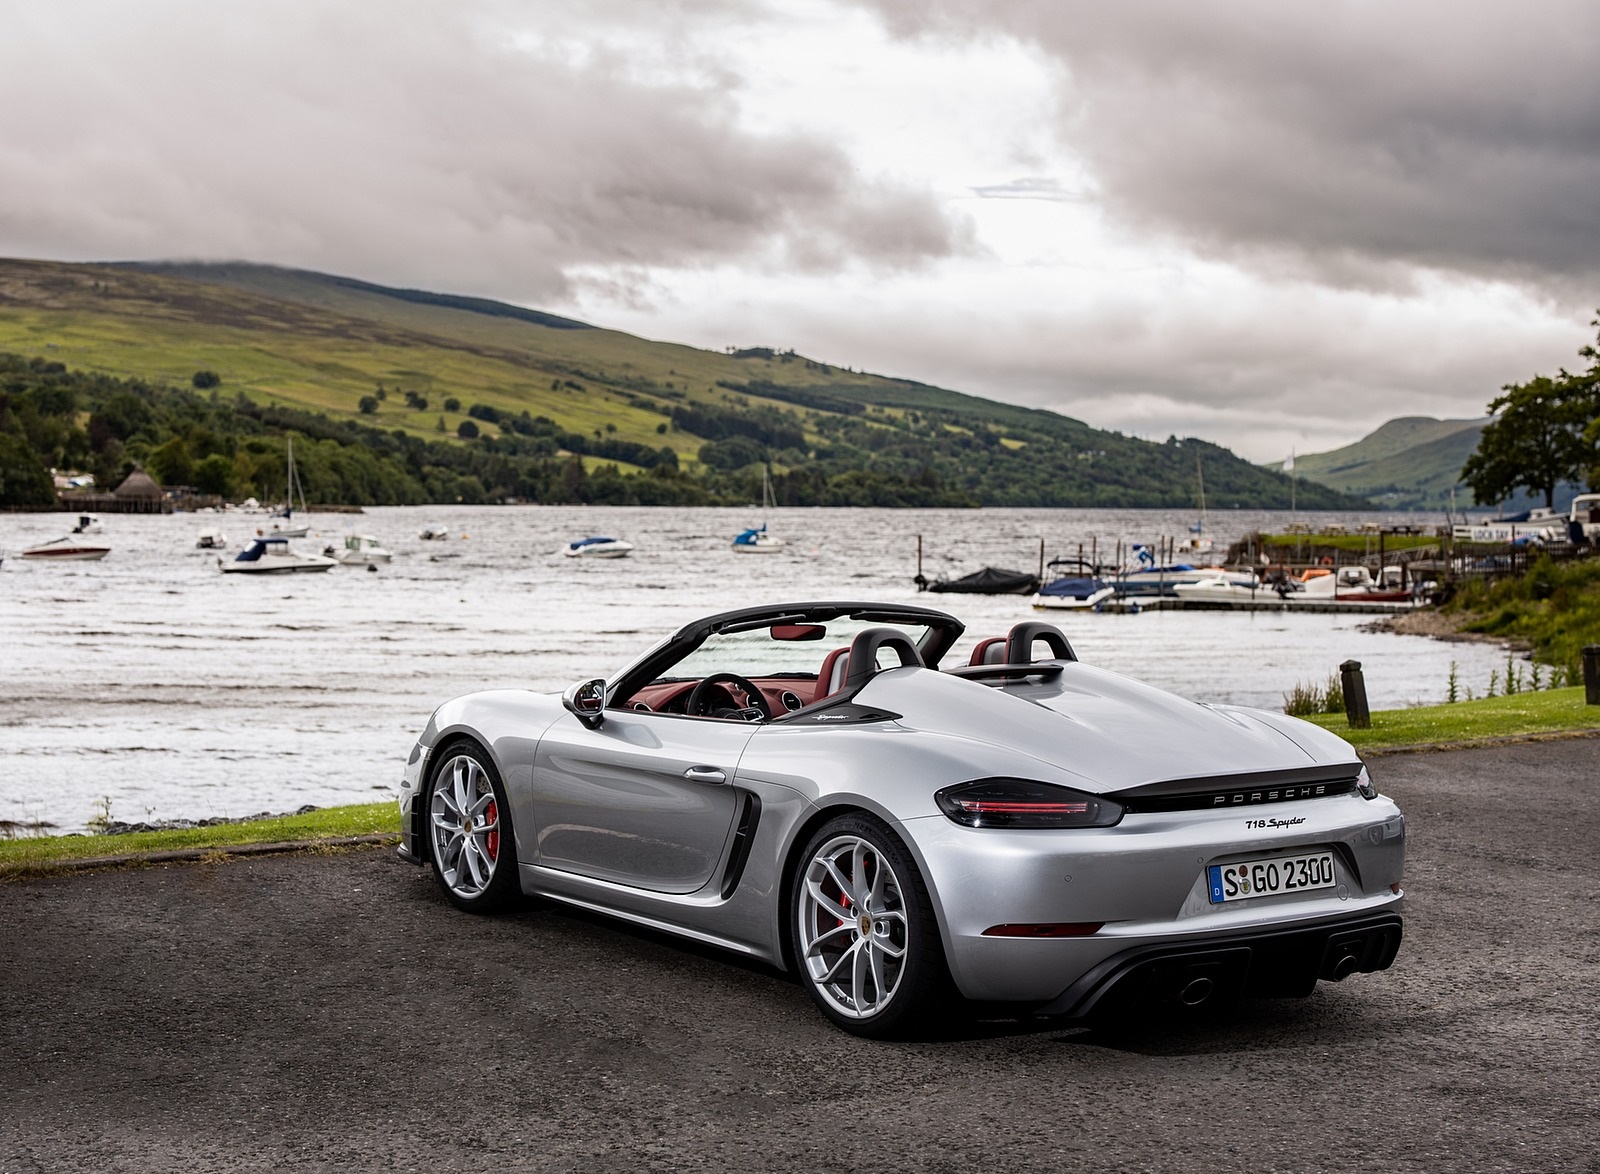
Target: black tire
<point>479,877</point>
<point>915,995</point>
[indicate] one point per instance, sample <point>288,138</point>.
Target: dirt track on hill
<point>322,1012</point>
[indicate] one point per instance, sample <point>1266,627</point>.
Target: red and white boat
<point>68,549</point>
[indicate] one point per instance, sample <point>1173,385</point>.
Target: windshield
<point>757,654</point>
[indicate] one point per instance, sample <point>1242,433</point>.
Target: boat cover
<point>989,581</point>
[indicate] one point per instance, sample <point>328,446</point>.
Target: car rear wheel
<point>469,831</point>
<point>865,939</point>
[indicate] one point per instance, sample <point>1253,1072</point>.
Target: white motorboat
<point>433,533</point>
<point>1079,589</point>
<point>1222,588</point>
<point>88,524</point>
<point>273,556</point>
<point>756,540</point>
<point>66,550</point>
<point>598,547</point>
<point>359,550</point>
<point>211,540</point>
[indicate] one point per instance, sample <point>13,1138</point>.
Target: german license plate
<point>1270,878</point>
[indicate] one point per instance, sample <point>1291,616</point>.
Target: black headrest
<point>864,651</point>
<point>1019,642</point>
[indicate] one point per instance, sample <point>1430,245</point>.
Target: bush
<point>452,404</point>
<point>368,405</point>
<point>206,379</point>
<point>467,430</point>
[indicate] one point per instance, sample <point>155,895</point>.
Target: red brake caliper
<point>492,840</point>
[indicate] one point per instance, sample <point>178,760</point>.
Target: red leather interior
<point>990,651</point>
<point>831,676</point>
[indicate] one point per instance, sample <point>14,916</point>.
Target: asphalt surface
<point>321,1012</point>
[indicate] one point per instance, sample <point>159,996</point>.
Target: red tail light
<point>1023,803</point>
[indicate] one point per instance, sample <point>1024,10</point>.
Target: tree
<point>452,404</point>
<point>206,379</point>
<point>171,464</point>
<point>214,474</point>
<point>23,480</point>
<point>1534,442</point>
<point>467,430</point>
<point>368,405</point>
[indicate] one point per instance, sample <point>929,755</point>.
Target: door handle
<point>706,774</point>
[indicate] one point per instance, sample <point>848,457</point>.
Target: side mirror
<point>587,702</point>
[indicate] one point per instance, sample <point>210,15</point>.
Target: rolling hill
<point>1409,463</point>
<point>542,387</point>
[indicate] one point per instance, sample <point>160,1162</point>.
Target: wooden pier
<point>1269,601</point>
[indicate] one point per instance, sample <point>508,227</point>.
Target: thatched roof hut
<point>139,486</point>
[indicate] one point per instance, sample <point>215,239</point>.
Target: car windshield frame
<point>939,632</point>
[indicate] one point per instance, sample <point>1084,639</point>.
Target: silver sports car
<point>809,784</point>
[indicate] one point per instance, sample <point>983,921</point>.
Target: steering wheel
<point>755,704</point>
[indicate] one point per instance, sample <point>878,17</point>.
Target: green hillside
<point>540,388</point>
<point>1409,463</point>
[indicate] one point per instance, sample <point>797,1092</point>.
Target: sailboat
<point>292,487</point>
<point>756,540</point>
<point>1197,545</point>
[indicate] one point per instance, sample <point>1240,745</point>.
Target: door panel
<point>635,800</point>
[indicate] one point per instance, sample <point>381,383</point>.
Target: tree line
<point>1545,433</point>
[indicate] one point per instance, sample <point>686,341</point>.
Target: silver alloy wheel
<point>853,928</point>
<point>465,818</point>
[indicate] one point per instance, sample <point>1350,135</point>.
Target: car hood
<point>1106,731</point>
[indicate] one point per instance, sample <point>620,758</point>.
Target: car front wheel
<point>469,831</point>
<point>866,940</point>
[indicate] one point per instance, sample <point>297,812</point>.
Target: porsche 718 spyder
<point>811,785</point>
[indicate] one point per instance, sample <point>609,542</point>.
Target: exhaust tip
<point>1196,991</point>
<point>1345,967</point>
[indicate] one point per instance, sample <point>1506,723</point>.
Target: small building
<point>139,494</point>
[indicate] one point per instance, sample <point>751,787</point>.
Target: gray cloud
<point>479,145</point>
<point>1350,140</point>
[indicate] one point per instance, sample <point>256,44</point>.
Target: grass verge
<point>29,852</point>
<point>1464,722</point>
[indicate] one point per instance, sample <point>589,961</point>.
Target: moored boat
<point>359,550</point>
<point>66,550</point>
<point>755,539</point>
<point>433,533</point>
<point>273,556</point>
<point>988,581</point>
<point>1074,585</point>
<point>597,546</point>
<point>88,524</point>
<point>211,540</point>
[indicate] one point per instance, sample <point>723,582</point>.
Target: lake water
<point>175,691</point>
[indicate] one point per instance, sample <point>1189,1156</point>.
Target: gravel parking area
<point>330,1011</point>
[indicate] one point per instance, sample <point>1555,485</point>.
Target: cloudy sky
<point>1262,222</point>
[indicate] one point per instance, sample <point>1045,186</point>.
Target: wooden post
<point>1591,674</point>
<point>1355,695</point>
<point>1041,560</point>
<point>921,580</point>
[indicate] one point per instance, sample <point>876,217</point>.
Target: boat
<point>359,550</point>
<point>988,581</point>
<point>1074,586</point>
<point>66,550</point>
<point>1349,584</point>
<point>292,486</point>
<point>211,540</point>
<point>1144,577</point>
<point>272,555</point>
<point>433,533</point>
<point>1224,588</point>
<point>597,547</point>
<point>88,524</point>
<point>756,540</point>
